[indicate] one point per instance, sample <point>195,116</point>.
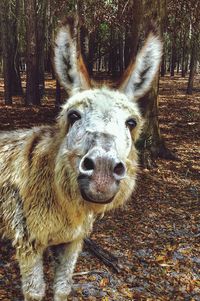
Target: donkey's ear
<point>69,66</point>
<point>138,77</point>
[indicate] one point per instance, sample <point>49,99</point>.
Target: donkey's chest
<point>65,230</point>
<point>66,234</point>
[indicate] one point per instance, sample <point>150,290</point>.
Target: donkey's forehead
<point>102,100</point>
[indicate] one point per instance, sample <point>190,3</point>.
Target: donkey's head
<point>100,125</point>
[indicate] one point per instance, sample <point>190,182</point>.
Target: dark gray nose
<point>103,165</point>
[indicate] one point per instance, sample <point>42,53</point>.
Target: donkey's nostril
<point>119,169</point>
<point>88,164</point>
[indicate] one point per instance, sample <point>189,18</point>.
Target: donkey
<point>55,180</point>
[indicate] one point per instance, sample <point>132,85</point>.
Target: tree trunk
<point>49,31</point>
<point>15,72</point>
<point>6,51</point>
<point>131,31</point>
<point>178,66</point>
<point>16,78</point>
<point>121,51</point>
<point>41,29</point>
<point>173,58</point>
<point>99,58</point>
<point>112,53</point>
<point>32,74</point>
<point>91,53</point>
<point>126,48</point>
<point>186,63</point>
<point>151,144</point>
<point>183,62</point>
<point>183,59</point>
<point>193,63</point>
<point>163,67</point>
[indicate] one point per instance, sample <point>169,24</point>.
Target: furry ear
<point>69,66</point>
<point>138,77</point>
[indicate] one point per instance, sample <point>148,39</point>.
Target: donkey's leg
<point>65,260</point>
<point>31,268</point>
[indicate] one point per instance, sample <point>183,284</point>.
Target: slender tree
<point>132,29</point>
<point>6,50</point>
<point>173,55</point>
<point>151,143</point>
<point>194,42</point>
<point>193,64</point>
<point>32,75</point>
<point>41,39</point>
<point>14,44</point>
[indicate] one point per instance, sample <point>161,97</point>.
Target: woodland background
<point>111,32</point>
<point>156,237</point>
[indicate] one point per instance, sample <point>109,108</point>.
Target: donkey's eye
<point>131,123</point>
<point>73,116</point>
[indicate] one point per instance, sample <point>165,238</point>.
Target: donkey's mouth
<point>88,198</point>
<point>90,194</point>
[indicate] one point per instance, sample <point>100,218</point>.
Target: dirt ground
<point>156,236</point>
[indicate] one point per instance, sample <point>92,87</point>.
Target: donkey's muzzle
<point>99,176</point>
<point>87,195</point>
<point>105,165</point>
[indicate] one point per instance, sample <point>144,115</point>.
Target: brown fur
<point>28,162</point>
<point>41,204</point>
<point>35,211</point>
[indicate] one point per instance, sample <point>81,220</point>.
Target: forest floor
<point>156,236</point>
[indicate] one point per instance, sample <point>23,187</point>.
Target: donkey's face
<point>101,124</point>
